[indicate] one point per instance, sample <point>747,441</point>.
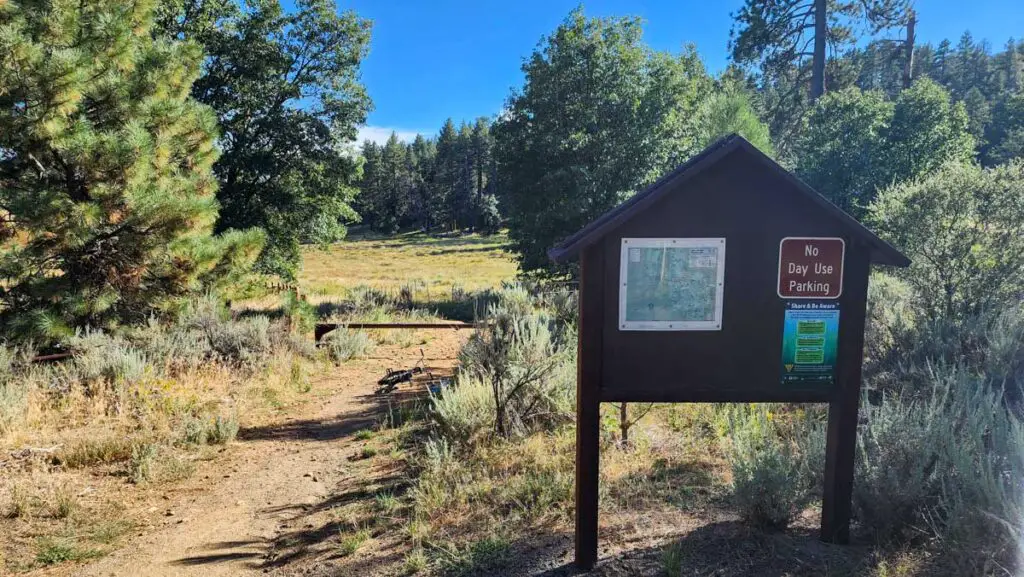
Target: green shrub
<point>141,464</point>
<point>101,356</point>
<point>244,340</point>
<point>527,361</point>
<point>300,314</point>
<point>224,429</point>
<point>963,228</point>
<point>465,411</point>
<point>174,346</point>
<point>204,429</point>
<point>52,551</point>
<point>948,464</point>
<point>775,476</point>
<point>343,344</point>
<point>482,555</point>
<point>96,450</point>
<point>14,389</point>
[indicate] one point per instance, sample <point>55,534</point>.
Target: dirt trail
<point>261,507</point>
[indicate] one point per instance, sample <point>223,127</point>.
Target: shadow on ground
<point>310,533</point>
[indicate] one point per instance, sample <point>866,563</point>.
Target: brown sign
<point>811,268</point>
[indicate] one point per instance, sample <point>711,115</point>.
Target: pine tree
<point>369,184</point>
<point>462,198</point>
<point>422,153</point>
<point>106,192</point>
<point>1011,68</point>
<point>394,186</point>
<point>445,175</point>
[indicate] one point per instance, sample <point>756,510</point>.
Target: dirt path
<point>264,505</point>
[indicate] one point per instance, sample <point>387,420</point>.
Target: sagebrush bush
<point>528,361</point>
<point>465,411</point>
<point>343,344</point>
<point>142,462</point>
<point>775,472</point>
<point>209,429</point>
<point>240,341</point>
<point>102,356</point>
<point>13,390</point>
<point>949,464</point>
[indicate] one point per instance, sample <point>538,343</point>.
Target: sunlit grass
<point>434,264</point>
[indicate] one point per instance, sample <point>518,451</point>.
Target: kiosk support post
<point>841,442</point>
<point>588,404</point>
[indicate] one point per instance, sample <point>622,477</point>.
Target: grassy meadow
<point>433,265</point>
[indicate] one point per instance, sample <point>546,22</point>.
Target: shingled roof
<point>881,253</point>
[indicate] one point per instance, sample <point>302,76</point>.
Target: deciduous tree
<point>599,116</point>
<point>285,87</point>
<point>963,228</point>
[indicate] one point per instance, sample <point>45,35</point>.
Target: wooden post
<point>841,443</point>
<point>588,402</point>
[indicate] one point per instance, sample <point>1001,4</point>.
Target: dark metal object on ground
<point>53,357</point>
<point>392,379</point>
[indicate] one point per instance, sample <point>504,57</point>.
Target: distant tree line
<point>445,183</point>
<point>882,112</point>
<point>182,144</point>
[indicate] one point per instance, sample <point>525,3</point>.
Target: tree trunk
<point>820,36</point>
<point>908,65</point>
<point>624,423</point>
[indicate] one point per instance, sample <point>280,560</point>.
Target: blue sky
<point>433,59</point>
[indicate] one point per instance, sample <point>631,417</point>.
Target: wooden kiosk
<point>727,280</point>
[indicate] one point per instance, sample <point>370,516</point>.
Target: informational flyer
<point>672,284</point>
<point>810,340</point>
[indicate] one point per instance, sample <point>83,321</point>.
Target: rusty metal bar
<point>322,329</point>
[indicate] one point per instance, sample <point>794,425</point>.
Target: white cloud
<point>381,134</point>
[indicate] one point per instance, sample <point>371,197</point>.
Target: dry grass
<point>96,452</point>
<point>416,259</point>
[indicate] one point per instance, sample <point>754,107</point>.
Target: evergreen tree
<point>422,154</point>
<point>395,184</point>
<point>446,171</point>
<point>729,111</point>
<point>107,200</point>
<point>369,184</point>
<point>942,69</point>
<point>463,197</point>
<point>1005,135</point>
<point>1011,68</point>
<point>978,114</point>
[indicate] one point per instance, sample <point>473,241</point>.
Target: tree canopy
<point>963,228</point>
<point>285,87</point>
<point>856,142</point>
<point>107,199</point>
<point>599,116</point>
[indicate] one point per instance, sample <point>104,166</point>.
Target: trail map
<point>672,287</point>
